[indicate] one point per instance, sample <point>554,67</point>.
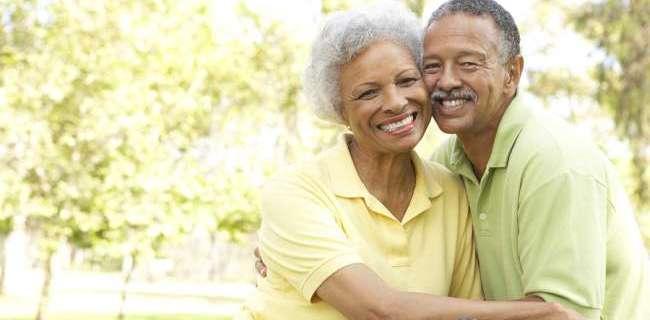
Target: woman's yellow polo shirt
<point>319,217</point>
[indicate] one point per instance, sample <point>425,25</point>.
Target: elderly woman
<point>368,230</point>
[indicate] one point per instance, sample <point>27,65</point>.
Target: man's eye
<point>469,64</point>
<point>431,67</point>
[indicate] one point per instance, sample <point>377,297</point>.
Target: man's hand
<point>260,267</point>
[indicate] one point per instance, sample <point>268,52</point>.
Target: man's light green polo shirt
<point>552,219</point>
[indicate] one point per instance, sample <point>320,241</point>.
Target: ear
<point>513,73</point>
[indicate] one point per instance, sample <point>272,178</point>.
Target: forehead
<point>462,32</point>
<point>381,57</point>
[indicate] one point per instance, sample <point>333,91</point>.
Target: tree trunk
<point>128,273</point>
<point>640,164</point>
<point>214,260</point>
<point>3,264</point>
<point>47,281</point>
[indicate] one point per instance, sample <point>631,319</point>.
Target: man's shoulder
<point>547,142</point>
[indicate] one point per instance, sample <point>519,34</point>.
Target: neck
<point>389,177</point>
<point>478,148</point>
<point>478,144</point>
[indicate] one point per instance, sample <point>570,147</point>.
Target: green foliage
<point>620,29</point>
<point>124,125</point>
<point>554,82</point>
<point>104,105</point>
<point>328,6</point>
<point>417,6</point>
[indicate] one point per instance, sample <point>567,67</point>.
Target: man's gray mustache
<point>464,93</point>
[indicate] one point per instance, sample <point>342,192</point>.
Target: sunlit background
<point>135,135</point>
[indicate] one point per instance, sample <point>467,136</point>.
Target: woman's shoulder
<point>309,175</point>
<point>296,188</point>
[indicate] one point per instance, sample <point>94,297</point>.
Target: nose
<point>395,100</point>
<point>448,80</point>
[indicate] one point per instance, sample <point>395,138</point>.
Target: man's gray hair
<point>509,44</point>
<point>344,35</point>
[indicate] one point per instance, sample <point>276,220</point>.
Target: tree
<point>5,229</point>
<point>103,107</point>
<point>417,6</point>
<point>620,29</point>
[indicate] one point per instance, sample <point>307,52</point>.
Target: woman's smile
<point>400,125</point>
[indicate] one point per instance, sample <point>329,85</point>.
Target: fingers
<point>260,267</point>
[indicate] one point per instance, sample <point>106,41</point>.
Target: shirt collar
<point>345,181</point>
<point>510,126</point>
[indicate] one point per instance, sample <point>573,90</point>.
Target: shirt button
<point>482,216</point>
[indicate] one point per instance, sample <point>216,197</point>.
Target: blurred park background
<point>134,135</point>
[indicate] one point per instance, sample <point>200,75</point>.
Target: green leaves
<point>103,108</point>
<point>620,30</point>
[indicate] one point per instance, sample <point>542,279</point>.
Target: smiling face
<point>470,87</point>
<point>384,100</point>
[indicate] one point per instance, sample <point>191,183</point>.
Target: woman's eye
<point>366,95</point>
<point>406,82</point>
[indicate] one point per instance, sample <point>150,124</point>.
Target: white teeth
<point>397,125</point>
<point>452,103</point>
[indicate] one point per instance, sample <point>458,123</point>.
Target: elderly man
<point>551,219</point>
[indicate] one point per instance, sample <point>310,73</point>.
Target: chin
<point>448,127</point>
<point>406,146</point>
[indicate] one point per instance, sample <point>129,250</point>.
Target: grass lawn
<point>135,317</point>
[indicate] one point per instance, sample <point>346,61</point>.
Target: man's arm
<point>562,241</point>
<point>358,293</point>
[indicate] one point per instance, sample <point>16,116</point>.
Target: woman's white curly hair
<point>344,35</point>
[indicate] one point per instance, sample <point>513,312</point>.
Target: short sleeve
<point>301,239</point>
<point>562,242</point>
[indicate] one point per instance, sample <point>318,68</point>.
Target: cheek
<point>430,82</point>
<point>362,112</point>
<point>485,81</point>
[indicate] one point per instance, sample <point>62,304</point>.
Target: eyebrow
<point>462,53</point>
<point>407,70</point>
<point>359,89</point>
<point>465,53</point>
<point>397,75</point>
